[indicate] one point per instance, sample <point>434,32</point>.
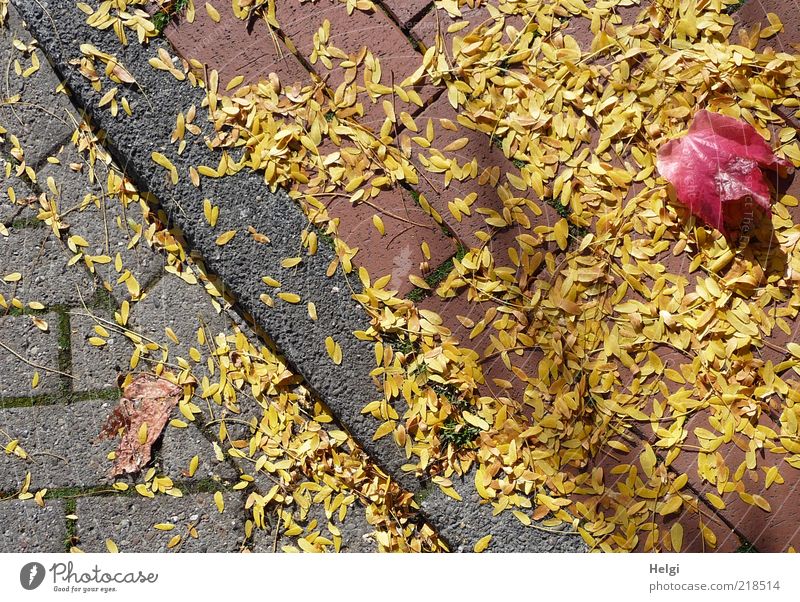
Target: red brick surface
<point>351,33</point>
<point>256,54</point>
<point>755,12</point>
<point>771,531</point>
<point>435,21</point>
<point>488,157</point>
<point>399,251</point>
<point>617,469</point>
<point>405,10</point>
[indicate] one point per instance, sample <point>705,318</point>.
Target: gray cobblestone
<point>22,193</point>
<point>26,527</point>
<point>178,447</point>
<point>36,346</point>
<point>107,226</point>
<point>356,532</point>
<point>129,521</point>
<point>43,117</point>
<point>61,442</point>
<point>42,261</point>
<point>183,308</point>
<point>95,368</point>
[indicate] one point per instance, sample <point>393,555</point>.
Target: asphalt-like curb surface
<point>244,201</point>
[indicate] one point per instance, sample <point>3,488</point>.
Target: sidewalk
<point>428,228</point>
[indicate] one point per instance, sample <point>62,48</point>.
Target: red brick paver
<point>406,10</point>
<point>257,52</point>
<point>755,13</point>
<point>399,250</point>
<point>351,33</point>
<point>773,531</point>
<point>489,169</point>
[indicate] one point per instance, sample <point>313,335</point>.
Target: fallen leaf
<point>139,419</point>
<point>716,170</point>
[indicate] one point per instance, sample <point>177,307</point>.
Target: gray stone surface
<point>95,368</point>
<point>129,520</point>
<point>23,193</point>
<point>26,527</point>
<point>463,523</point>
<point>356,532</point>
<point>61,441</point>
<point>108,226</point>
<point>36,346</point>
<point>179,445</point>
<point>42,117</point>
<point>42,261</point>
<point>172,303</point>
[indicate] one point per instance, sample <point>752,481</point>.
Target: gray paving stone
<point>42,261</point>
<point>463,523</point>
<point>41,119</point>
<point>26,527</point>
<point>356,532</point>
<point>179,445</point>
<point>61,441</point>
<point>23,195</point>
<point>107,226</point>
<point>184,308</point>
<point>129,521</point>
<point>38,347</point>
<point>96,368</point>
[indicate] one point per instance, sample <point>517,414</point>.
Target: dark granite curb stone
<point>244,201</point>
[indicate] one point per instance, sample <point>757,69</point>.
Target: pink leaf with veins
<point>716,167</point>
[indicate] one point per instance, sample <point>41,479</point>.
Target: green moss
<point>163,17</point>
<point>746,547</point>
<point>457,434</point>
<point>734,7</point>
<point>436,276</point>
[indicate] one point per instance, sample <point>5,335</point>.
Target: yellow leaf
<point>648,460</point>
<point>482,544</point>
<point>450,492</point>
<point>476,421</point>
<point>219,501</point>
<point>142,434</point>
<point>378,223</point>
<point>193,464</point>
<point>676,536</point>
<point>289,297</point>
<point>225,237</point>
<point>212,12</point>
<point>761,503</point>
<point>715,501</point>
<point>290,262</point>
<point>383,430</point>
<point>419,282</point>
<point>561,233</point>
<point>164,526</point>
<point>13,277</point>
<point>111,546</point>
<point>334,350</point>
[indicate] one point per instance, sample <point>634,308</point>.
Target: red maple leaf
<point>716,170</point>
